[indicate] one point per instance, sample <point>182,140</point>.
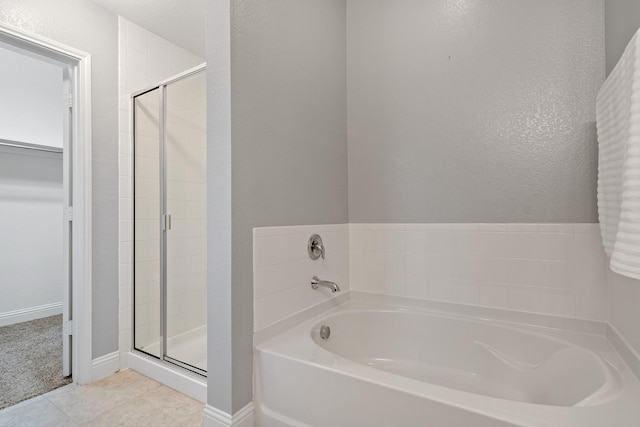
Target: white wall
<point>32,99</point>
<point>31,261</point>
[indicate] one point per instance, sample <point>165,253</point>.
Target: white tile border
<point>213,417</point>
<point>104,366</point>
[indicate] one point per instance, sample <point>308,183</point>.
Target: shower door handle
<point>166,222</point>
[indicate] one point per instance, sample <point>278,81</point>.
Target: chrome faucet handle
<point>315,247</point>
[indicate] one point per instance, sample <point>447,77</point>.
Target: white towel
<point>618,123</point>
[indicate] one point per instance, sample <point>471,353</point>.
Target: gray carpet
<point>30,359</point>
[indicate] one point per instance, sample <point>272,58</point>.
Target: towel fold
<point>618,123</point>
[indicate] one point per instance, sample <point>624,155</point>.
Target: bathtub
<point>385,366</point>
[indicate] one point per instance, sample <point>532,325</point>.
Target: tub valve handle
<point>315,247</point>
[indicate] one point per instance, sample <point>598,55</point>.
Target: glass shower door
<point>170,217</point>
<point>185,160</point>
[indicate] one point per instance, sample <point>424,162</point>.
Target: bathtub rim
<point>608,363</point>
<point>518,318</point>
<point>529,414</point>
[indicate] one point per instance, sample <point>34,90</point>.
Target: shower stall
<point>169,127</point>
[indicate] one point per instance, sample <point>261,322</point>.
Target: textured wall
<point>622,21</point>
<point>473,111</point>
<point>289,136</point>
<point>85,26</point>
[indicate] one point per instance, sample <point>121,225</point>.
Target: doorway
<point>46,195</point>
<point>34,191</point>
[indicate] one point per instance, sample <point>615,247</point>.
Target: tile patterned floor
<point>123,399</point>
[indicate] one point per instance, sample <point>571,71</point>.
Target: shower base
<point>188,347</point>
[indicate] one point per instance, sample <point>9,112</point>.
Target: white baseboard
<point>104,366</point>
<point>193,387</point>
<point>31,313</point>
<point>213,417</point>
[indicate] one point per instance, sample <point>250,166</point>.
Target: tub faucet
<point>315,282</point>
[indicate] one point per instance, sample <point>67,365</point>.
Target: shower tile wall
<point>186,202</point>
<point>144,59</point>
<point>557,269</point>
<point>282,269</point>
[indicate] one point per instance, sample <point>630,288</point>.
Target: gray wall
<point>481,113</point>
<point>289,137</point>
<point>85,26</point>
<point>622,21</point>
<point>220,323</point>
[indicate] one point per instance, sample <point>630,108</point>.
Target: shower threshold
<point>170,374</point>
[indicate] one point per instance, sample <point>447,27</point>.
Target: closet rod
<point>28,146</point>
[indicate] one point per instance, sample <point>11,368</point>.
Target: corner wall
<point>287,148</point>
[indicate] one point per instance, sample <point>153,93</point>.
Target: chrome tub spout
<point>315,282</point>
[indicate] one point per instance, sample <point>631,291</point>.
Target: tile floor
<point>123,399</point>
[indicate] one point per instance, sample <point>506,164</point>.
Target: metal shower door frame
<point>165,217</point>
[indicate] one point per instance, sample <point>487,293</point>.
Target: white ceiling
<point>179,21</point>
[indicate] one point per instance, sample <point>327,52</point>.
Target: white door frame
<point>81,186</point>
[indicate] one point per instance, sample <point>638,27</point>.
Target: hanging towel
<point>618,123</point>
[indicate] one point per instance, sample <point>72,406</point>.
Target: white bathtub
<point>394,367</point>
